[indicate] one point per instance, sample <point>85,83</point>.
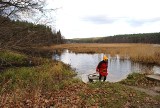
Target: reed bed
<point>145,53</point>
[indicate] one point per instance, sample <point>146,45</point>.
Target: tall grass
<point>11,58</point>
<point>29,77</point>
<point>33,83</point>
<point>145,53</point>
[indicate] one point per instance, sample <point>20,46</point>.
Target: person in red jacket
<point>102,68</point>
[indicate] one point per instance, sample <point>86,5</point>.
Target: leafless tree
<point>14,8</point>
<point>17,9</point>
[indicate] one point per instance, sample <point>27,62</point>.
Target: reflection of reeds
<point>145,53</point>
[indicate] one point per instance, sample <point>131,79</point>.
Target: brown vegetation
<point>51,84</point>
<point>145,53</point>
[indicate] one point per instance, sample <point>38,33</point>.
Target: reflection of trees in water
<point>144,68</point>
<point>132,66</point>
<point>85,64</point>
<point>99,57</point>
<point>57,54</point>
<point>117,63</point>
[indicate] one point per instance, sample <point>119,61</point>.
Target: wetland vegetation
<point>30,78</point>
<point>144,53</point>
<point>50,83</point>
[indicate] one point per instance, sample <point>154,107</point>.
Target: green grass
<point>137,79</point>
<point>10,58</point>
<point>44,76</point>
<point>30,83</point>
<point>17,78</point>
<point>115,95</point>
<point>133,79</point>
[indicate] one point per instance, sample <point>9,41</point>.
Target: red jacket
<point>102,68</point>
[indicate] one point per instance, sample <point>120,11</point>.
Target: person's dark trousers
<point>100,76</point>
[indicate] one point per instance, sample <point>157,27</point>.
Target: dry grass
<point>32,86</point>
<point>145,53</point>
<point>51,84</point>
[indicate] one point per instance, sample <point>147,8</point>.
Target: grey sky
<point>95,18</point>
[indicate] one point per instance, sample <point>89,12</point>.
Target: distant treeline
<point>18,33</point>
<point>153,38</point>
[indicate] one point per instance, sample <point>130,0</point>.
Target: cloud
<point>133,22</point>
<point>99,19</point>
<point>92,18</point>
<point>140,22</point>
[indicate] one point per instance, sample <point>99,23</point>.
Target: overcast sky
<point>97,18</point>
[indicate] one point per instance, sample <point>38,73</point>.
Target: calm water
<point>118,69</point>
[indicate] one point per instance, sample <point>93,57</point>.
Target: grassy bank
<point>139,80</point>
<point>10,58</point>
<point>28,86</point>
<point>144,53</point>
<point>51,84</point>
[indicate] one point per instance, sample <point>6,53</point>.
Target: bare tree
<point>34,10</point>
<point>13,8</point>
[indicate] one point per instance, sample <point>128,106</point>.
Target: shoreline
<point>51,84</point>
<point>143,53</point>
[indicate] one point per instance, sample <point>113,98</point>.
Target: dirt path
<point>154,91</point>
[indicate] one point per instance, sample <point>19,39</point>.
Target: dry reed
<point>145,53</point>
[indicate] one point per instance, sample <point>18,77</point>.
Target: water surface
<point>118,69</point>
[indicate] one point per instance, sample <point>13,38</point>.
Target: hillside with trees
<point>16,33</point>
<point>152,38</point>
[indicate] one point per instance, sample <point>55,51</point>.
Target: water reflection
<point>118,69</point>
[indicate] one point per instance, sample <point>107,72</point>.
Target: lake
<point>118,69</point>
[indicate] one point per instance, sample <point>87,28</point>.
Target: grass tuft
<point>9,58</point>
<point>137,79</point>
